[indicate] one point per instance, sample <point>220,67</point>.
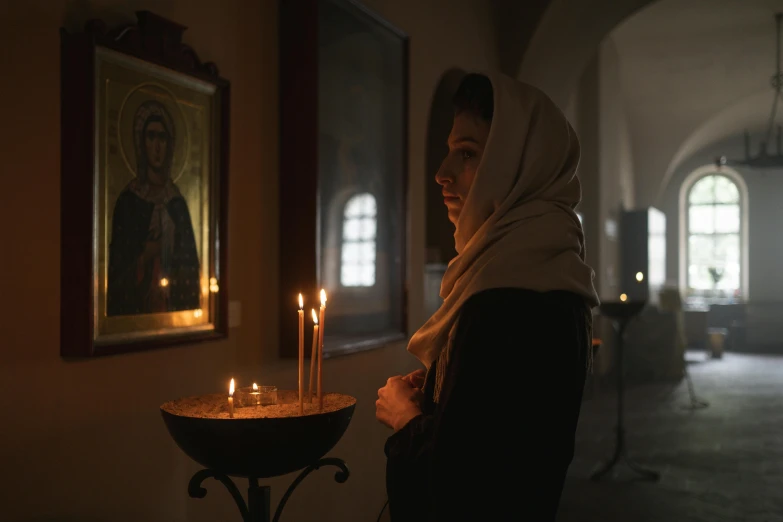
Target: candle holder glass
<point>267,395</point>
<point>246,396</point>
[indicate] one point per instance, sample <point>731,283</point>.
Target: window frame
<point>344,240</point>
<point>684,236</point>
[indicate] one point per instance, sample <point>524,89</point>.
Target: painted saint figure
<point>153,262</point>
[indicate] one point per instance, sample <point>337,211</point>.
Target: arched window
<point>715,236</point>
<point>357,262</point>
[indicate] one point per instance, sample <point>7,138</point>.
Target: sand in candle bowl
<point>215,406</point>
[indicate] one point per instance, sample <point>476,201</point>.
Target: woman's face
<point>156,141</point>
<point>466,146</point>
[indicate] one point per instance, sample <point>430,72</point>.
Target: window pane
<point>360,205</point>
<point>367,252</point>
<point>731,278</point>
<point>701,219</point>
<point>699,277</point>
<point>352,229</point>
<point>366,275</point>
<point>725,190</point>
<point>366,229</point>
<point>703,191</point>
<point>656,246</point>
<point>357,275</point>
<point>348,275</point>
<point>727,218</point>
<point>700,250</point>
<point>368,205</point>
<point>353,208</point>
<point>657,221</point>
<point>351,253</point>
<point>727,250</point>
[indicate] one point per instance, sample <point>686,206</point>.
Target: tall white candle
<point>301,355</point>
<point>313,356</point>
<point>321,350</point>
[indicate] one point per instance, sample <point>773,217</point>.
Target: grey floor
<point>723,463</point>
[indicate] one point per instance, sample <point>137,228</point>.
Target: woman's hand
<point>416,378</point>
<point>398,402</point>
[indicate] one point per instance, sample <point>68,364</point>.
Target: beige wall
<point>84,440</point>
<point>606,167</point>
<point>615,166</point>
<point>596,111</point>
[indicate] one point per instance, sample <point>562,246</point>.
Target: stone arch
<point>566,39</point>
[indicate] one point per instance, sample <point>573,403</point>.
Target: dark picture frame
<point>343,173</point>
<point>144,170</point>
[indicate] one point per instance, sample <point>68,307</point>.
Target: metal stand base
<point>258,508</point>
<point>696,403</point>
<point>620,453</point>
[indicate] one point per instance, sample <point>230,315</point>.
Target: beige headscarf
<point>518,227</point>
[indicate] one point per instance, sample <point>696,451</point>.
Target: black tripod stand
<point>695,403</point>
<point>621,313</point>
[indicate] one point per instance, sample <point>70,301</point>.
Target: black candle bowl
<point>259,447</point>
<point>621,309</point>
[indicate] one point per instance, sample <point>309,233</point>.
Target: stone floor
<point>723,463</point>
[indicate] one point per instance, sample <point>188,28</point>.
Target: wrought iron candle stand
<point>621,313</point>
<point>258,448</point>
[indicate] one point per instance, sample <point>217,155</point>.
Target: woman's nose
<point>444,176</point>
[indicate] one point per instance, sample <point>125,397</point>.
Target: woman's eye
<point>467,154</point>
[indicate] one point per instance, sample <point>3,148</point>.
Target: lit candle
<point>231,399</point>
<point>313,355</point>
<point>301,355</point>
<point>321,350</point>
<point>256,394</point>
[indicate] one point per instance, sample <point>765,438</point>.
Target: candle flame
<point>315,317</point>
<point>164,282</point>
<point>323,297</point>
<point>255,386</point>
<point>231,388</point>
<point>301,302</point>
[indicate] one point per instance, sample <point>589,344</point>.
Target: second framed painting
<point>343,185</point>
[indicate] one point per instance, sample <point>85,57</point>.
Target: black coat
<point>498,443</point>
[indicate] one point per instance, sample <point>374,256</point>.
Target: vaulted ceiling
<point>692,73</point>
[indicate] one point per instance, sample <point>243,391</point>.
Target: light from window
<point>357,267</point>
<point>714,237</point>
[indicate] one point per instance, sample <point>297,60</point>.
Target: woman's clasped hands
<point>400,400</point>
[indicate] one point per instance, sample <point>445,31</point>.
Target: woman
<point>488,434</point>
<point>153,262</point>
